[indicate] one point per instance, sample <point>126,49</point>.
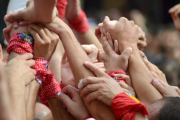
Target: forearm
<point>76,57</point>
<point>141,79</point>
<point>58,111</point>
<point>45,8</point>
<point>55,62</point>
<point>33,90</point>
<point>88,38</point>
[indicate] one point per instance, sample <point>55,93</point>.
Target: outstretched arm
<point>127,35</point>
<point>76,57</point>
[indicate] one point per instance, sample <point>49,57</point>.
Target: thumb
<point>15,16</point>
<point>106,21</point>
<point>126,53</point>
<point>66,100</point>
<point>158,85</point>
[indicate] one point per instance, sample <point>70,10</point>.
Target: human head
<point>165,109</point>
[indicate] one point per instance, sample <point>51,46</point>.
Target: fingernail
<point>15,26</point>
<point>80,84</point>
<point>20,23</point>
<point>129,48</point>
<point>115,75</point>
<point>86,62</point>
<point>155,81</point>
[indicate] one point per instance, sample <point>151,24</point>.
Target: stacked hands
<point>120,40</point>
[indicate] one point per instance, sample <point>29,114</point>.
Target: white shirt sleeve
<point>16,5</point>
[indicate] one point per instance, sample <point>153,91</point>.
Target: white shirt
<point>16,5</point>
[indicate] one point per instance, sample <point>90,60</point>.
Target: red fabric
<point>80,23</point>
<point>22,43</point>
<point>111,73</point>
<point>61,7</point>
<point>89,116</point>
<point>124,106</point>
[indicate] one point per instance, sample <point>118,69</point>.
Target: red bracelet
<point>127,106</point>
<point>61,7</point>
<point>22,43</point>
<point>80,23</point>
<point>111,73</point>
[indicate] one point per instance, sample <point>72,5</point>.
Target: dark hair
<point>170,110</point>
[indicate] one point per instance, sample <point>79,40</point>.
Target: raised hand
<point>175,12</point>
<point>102,87</point>
<point>45,41</point>
<point>73,102</point>
<point>112,60</point>
<point>18,70</point>
<point>35,11</point>
<point>126,32</point>
<point>158,74</point>
<point>165,89</point>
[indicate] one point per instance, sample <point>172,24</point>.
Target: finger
<point>35,35</point>
<point>87,81</point>
<point>173,9</point>
<point>177,12</point>
<point>177,90</point>
<point>1,54</point>
<point>142,44</point>
<point>125,77</point>
<point>23,23</point>
<point>39,30</point>
<point>98,33</point>
<point>158,85</point>
<point>15,24</point>
<point>116,49</point>
<point>87,48</point>
<point>71,91</point>
<point>30,63</point>
<point>106,46</point>
<point>15,16</point>
<point>26,56</point>
<point>126,53</point>
<point>163,83</point>
<point>98,72</point>
<point>106,21</point>
<point>67,101</point>
<point>103,57</point>
<point>89,89</point>
<point>31,76</point>
<point>100,64</point>
<point>6,32</point>
<point>90,97</point>
<point>123,85</point>
<point>109,39</point>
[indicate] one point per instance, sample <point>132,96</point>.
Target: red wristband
<point>80,23</point>
<point>111,73</point>
<point>22,43</point>
<point>126,105</point>
<point>61,7</point>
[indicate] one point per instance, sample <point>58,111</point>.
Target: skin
<point>129,38</point>
<point>35,12</point>
<point>175,11</point>
<point>72,11</point>
<point>18,80</point>
<point>49,41</point>
<point>72,47</point>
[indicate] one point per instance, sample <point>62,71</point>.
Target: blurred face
<point>154,109</point>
